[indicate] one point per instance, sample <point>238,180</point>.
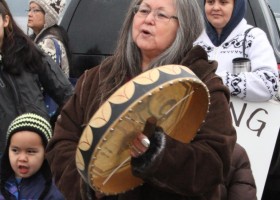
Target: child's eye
<point>31,151</point>
<point>15,150</point>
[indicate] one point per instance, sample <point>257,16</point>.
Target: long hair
<point>18,51</point>
<point>126,60</point>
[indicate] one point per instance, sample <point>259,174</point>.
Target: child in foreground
<point>25,173</point>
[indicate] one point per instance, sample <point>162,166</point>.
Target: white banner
<point>257,125</point>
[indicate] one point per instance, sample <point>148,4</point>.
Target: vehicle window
<point>103,32</point>
<point>275,6</point>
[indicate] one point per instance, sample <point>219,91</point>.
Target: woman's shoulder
<point>251,30</point>
<point>50,41</point>
<point>256,31</point>
<point>88,80</point>
<point>51,46</point>
<point>90,76</point>
<point>255,35</point>
<point>47,44</point>
<point>246,30</point>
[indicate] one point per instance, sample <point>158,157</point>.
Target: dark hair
<point>18,50</point>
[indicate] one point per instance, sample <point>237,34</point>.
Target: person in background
<point>154,33</point>
<point>24,69</point>
<point>240,183</point>
<point>25,172</point>
<point>228,36</point>
<point>43,16</point>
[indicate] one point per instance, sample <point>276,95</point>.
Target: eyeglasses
<point>34,11</point>
<point>159,15</point>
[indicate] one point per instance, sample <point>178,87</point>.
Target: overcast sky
<point>18,7</point>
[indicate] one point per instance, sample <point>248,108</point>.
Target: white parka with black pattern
<point>261,82</point>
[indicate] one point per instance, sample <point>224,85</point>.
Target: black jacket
<point>23,93</point>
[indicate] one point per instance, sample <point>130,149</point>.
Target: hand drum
<point>173,94</point>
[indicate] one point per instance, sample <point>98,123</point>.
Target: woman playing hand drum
<point>154,33</point>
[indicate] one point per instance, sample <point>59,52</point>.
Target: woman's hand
<point>139,145</point>
<point>99,195</point>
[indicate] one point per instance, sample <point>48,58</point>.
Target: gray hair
<point>126,60</point>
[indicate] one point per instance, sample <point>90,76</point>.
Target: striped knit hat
<point>27,122</point>
<point>31,122</point>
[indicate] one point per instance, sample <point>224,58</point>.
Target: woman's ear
<point>6,20</point>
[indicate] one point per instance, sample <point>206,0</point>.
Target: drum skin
<point>172,93</point>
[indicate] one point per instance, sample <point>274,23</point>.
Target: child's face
<point>26,153</point>
<point>4,22</point>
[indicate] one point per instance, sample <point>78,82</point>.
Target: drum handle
<point>150,126</point>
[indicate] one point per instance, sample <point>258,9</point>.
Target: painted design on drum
<point>171,69</point>
<point>114,124</point>
<point>84,144</point>
<point>80,161</point>
<point>102,116</point>
<point>123,94</point>
<point>148,77</point>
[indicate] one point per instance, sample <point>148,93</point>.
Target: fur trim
<point>143,162</point>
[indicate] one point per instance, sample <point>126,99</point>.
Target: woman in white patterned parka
<point>43,16</point>
<point>223,40</point>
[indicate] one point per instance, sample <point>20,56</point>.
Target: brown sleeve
<point>61,150</point>
<point>240,182</point>
<point>200,166</point>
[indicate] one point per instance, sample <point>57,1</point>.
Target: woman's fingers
<point>139,145</point>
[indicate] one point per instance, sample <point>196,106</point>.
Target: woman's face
<point>26,153</point>
<point>36,18</point>
<point>154,27</point>
<point>4,22</point>
<point>218,12</point>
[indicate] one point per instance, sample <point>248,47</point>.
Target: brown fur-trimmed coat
<point>176,171</point>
